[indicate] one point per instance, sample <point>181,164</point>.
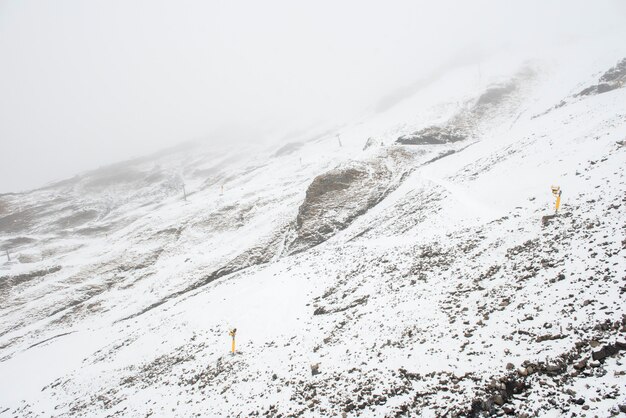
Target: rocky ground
<point>414,279</point>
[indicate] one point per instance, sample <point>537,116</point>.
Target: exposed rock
<point>7,282</point>
<point>581,364</point>
<point>548,337</point>
<point>462,125</point>
<point>433,135</point>
<point>334,199</point>
<point>508,410</point>
<point>608,350</point>
<point>617,73</point>
<point>613,79</point>
<point>358,301</point>
<point>545,220</point>
<point>315,369</point>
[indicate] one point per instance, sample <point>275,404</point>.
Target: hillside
<point>409,267</point>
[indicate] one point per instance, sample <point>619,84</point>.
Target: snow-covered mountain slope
<point>401,278</point>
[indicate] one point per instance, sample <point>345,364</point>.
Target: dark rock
<point>613,79</point>
<point>320,311</point>
<point>508,410</point>
<point>587,91</point>
<point>607,351</point>
<point>616,73</point>
<point>433,135</point>
<point>336,198</point>
<point>315,369</point>
<point>6,282</point>
<point>349,406</point>
<point>545,220</point>
<point>581,364</point>
<point>556,368</point>
<point>549,337</point>
<point>604,87</point>
<point>344,307</point>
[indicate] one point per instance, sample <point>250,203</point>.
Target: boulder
<point>315,369</point>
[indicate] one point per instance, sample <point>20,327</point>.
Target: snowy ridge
<point>424,282</point>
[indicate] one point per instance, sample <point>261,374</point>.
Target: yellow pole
<point>232,334</point>
<point>558,202</point>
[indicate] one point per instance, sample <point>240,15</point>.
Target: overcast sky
<point>87,83</point>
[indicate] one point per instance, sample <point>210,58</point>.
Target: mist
<point>85,84</point>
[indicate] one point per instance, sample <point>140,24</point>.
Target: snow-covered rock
<point>419,280</point>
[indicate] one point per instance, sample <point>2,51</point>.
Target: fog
<point>88,83</point>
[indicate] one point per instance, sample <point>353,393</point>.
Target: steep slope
<point>396,280</point>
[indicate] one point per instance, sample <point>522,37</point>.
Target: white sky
<point>87,83</point>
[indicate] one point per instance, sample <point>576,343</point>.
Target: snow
<point>449,278</point>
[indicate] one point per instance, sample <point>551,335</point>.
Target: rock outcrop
<point>334,199</point>
<point>612,79</point>
<point>462,125</point>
